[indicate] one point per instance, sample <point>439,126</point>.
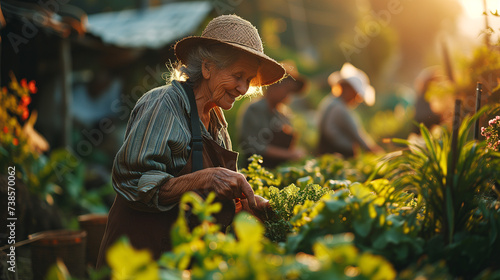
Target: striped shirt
<point>156,145</point>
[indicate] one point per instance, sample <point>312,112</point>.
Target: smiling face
<point>226,84</point>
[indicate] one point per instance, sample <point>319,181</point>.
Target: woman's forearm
<point>174,188</point>
<point>227,184</point>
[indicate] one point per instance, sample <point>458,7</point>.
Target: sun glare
<point>475,8</point>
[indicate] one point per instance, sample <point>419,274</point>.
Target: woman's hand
<point>227,184</point>
<point>261,211</point>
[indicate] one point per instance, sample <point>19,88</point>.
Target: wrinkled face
<point>227,84</point>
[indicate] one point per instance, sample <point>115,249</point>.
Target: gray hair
<point>220,54</point>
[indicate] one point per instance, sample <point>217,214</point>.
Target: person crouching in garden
<point>339,131</point>
<point>176,139</point>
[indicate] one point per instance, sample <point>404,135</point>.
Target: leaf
<point>363,222</point>
<point>58,271</point>
<point>304,181</point>
<point>126,262</point>
<point>450,214</point>
<point>249,231</point>
<point>376,267</point>
<point>334,205</point>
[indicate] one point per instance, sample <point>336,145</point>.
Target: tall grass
<point>448,193</point>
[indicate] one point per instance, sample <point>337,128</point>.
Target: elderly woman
<point>177,141</point>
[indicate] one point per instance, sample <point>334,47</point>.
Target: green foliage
<point>426,270</point>
<point>450,196</point>
<point>337,256</point>
<point>368,214</point>
<point>390,123</point>
<point>342,231</point>
<point>283,203</point>
<point>329,227</point>
<point>473,250</point>
<point>56,176</point>
<point>258,177</point>
<point>322,169</point>
<point>210,254</point>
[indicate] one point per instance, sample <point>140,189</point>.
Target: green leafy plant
<point>450,196</point>
<point>369,212</point>
<point>316,171</point>
<point>283,203</point>
<point>206,253</point>
<point>258,177</point>
<point>451,186</point>
<point>55,177</point>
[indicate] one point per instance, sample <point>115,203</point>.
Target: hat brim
<point>270,71</point>
<point>299,84</point>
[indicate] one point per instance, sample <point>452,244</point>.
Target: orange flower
<point>24,83</point>
<point>26,114</point>
<point>25,101</point>
<point>4,90</point>
<point>15,141</point>
<point>5,130</point>
<point>32,87</point>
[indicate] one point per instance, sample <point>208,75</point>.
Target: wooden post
<point>479,91</point>
<point>67,96</point>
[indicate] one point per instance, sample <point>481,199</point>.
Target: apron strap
<point>196,141</point>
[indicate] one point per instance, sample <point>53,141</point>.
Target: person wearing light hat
<point>338,129</point>
<point>266,128</point>
<point>176,139</point>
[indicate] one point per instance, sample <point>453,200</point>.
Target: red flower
<point>5,130</point>
<point>26,114</point>
<point>24,83</point>
<point>25,101</point>
<point>32,87</point>
<point>15,141</point>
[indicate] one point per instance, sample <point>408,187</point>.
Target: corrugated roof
<point>152,28</point>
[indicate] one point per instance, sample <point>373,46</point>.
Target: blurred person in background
<point>339,130</point>
<point>266,128</point>
<point>176,139</point>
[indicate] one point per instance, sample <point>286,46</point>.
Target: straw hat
<point>234,31</point>
<point>357,79</point>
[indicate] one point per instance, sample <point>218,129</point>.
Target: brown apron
<point>151,230</point>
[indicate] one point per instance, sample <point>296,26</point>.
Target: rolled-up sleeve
<point>156,147</point>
